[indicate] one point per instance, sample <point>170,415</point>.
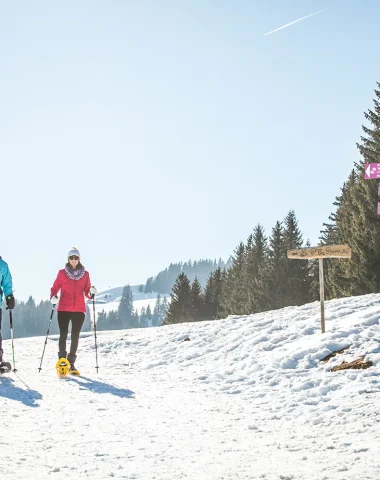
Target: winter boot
<point>62,354</point>
<point>5,367</point>
<point>71,358</point>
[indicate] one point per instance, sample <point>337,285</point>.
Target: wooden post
<point>322,294</point>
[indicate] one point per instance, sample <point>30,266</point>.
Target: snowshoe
<point>62,367</point>
<point>73,370</point>
<point>5,367</point>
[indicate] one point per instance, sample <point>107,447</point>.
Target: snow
<point>246,397</point>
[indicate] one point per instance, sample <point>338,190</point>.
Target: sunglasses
<point>73,257</point>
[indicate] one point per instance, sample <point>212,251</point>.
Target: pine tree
<point>148,316</point>
<point>360,227</point>
<point>298,283</point>
<point>356,222</point>
<point>312,278</point>
<point>197,302</point>
<point>234,292</point>
<point>156,312</point>
<point>338,281</point>
<point>30,308</point>
<point>213,295</point>
<point>148,285</point>
<point>142,318</point>
<point>277,260</point>
<point>357,219</point>
<point>256,272</point>
<point>125,310</point>
<point>113,320</point>
<point>134,321</point>
<point>180,307</point>
<point>102,321</point>
<point>163,310</point>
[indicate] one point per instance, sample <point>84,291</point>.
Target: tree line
<point>163,282</point>
<point>261,277</point>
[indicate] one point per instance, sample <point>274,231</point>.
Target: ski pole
<point>46,339</point>
<point>96,345</point>
<point>13,347</point>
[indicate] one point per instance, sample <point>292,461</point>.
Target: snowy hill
<point>108,299</point>
<point>244,398</point>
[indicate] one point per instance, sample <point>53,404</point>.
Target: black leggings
<point>77,319</point>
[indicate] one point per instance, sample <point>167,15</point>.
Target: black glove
<point>10,300</point>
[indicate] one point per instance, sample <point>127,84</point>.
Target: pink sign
<point>371,170</point>
<point>378,208</point>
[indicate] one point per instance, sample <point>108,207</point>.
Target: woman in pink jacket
<point>74,283</point>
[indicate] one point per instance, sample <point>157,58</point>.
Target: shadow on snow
<point>8,389</point>
<point>101,387</point>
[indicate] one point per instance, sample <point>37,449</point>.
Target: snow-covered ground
<point>245,398</point>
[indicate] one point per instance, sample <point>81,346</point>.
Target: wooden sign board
<point>327,251</point>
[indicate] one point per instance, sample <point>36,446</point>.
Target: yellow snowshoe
<point>62,367</point>
<point>73,370</point>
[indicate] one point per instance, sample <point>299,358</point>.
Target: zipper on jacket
<point>74,293</point>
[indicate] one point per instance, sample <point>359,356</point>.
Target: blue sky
<point>153,132</point>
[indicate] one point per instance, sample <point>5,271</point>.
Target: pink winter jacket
<point>72,292</point>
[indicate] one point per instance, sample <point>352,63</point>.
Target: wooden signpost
<point>327,251</point>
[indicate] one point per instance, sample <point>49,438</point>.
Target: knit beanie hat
<point>73,251</point>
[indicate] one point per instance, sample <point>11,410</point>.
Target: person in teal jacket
<point>6,289</point>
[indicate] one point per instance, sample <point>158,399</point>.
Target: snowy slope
<point>108,299</point>
<point>245,398</point>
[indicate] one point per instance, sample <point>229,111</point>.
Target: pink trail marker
<point>371,170</point>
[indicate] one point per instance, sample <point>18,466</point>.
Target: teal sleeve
<point>7,281</point>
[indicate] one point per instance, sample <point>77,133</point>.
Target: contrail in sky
<point>295,21</point>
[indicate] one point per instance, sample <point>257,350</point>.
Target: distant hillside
<point>108,299</point>
<point>112,294</point>
<point>163,282</point>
